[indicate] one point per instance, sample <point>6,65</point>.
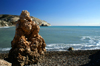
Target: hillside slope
<point>10,20</point>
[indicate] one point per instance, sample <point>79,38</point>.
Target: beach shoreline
<point>67,58</point>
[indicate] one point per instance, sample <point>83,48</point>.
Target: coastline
<point>67,58</point>
<point>70,58</point>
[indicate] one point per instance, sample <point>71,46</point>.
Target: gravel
<point>67,58</point>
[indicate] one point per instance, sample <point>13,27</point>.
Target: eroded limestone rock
<point>27,44</point>
<point>4,63</point>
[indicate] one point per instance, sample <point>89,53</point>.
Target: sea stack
<point>27,45</point>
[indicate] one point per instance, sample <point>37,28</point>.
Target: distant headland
<point>10,20</point>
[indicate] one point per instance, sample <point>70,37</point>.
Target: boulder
<point>71,48</point>
<point>27,45</point>
<point>4,63</point>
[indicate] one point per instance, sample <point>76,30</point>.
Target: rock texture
<point>10,20</point>
<point>4,63</point>
<point>27,45</point>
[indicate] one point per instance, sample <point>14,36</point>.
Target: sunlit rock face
<point>27,44</point>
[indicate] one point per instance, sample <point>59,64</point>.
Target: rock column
<point>27,44</point>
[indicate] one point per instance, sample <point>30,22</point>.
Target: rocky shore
<point>10,20</point>
<point>66,58</point>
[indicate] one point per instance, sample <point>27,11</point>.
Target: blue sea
<point>59,38</point>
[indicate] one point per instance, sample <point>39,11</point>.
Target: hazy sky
<point>57,12</point>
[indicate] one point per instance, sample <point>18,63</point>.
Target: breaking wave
<point>5,27</point>
<point>4,49</point>
<point>87,43</point>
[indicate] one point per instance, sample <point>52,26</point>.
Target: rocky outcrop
<point>27,45</point>
<point>10,20</point>
<point>40,22</point>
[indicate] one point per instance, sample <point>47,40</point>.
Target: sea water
<point>59,38</point>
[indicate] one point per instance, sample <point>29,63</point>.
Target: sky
<point>57,12</point>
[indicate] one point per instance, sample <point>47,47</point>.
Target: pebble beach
<point>66,58</point>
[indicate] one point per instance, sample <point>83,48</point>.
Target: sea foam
<point>4,49</point>
<point>89,43</point>
<point>5,27</point>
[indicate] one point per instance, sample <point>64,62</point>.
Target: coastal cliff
<point>10,20</point>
